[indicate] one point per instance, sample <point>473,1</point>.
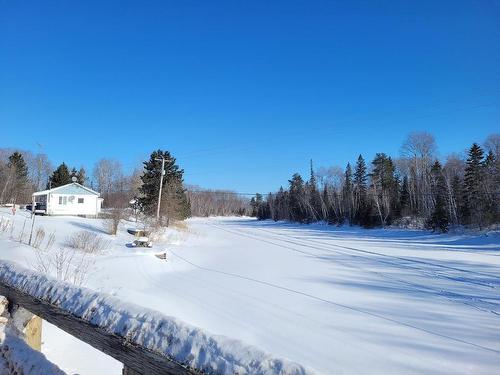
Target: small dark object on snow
<point>162,256</point>
<point>141,236</point>
<point>138,232</point>
<point>142,242</point>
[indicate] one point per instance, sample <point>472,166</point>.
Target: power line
<point>223,192</point>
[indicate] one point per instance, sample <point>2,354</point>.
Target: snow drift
<point>163,334</point>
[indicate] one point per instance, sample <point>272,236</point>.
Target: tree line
<point>414,189</point>
<point>22,173</point>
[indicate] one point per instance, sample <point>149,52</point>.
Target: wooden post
<point>33,333</point>
<point>142,360</point>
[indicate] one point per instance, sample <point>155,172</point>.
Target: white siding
<point>67,204</point>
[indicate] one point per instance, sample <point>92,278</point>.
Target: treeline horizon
<point>415,189</point>
<point>23,172</point>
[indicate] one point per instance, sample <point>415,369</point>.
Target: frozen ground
<point>338,300</point>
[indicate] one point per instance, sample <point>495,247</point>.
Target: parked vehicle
<point>39,208</point>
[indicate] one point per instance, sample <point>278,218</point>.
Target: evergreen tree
<point>17,177</point>
<point>81,176</point>
<point>439,217</point>
<point>314,197</point>
<point>404,196</point>
<point>360,188</point>
<point>360,176</point>
<point>384,171</point>
<point>474,200</point>
<point>296,191</point>
<point>175,204</point>
<point>255,204</point>
<point>61,176</point>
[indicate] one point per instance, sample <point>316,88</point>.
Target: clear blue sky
<point>244,93</point>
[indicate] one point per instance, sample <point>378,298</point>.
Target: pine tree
<point>61,176</point>
<point>296,191</point>
<point>81,176</point>
<point>175,204</point>
<point>474,200</point>
<point>360,176</point>
<point>439,217</point>
<point>314,197</point>
<point>404,196</point>
<point>255,204</point>
<point>17,177</point>
<point>360,188</point>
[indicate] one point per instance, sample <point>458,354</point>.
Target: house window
<point>80,200</point>
<point>63,200</point>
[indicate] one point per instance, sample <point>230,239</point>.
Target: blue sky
<point>244,93</point>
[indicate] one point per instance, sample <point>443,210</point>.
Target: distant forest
<point>415,189</point>
<point>23,172</point>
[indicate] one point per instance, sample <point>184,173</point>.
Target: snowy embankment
<point>16,357</point>
<point>337,300</point>
<point>166,335</point>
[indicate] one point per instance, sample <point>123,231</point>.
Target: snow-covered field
<point>337,300</point>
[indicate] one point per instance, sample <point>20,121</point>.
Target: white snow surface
<point>16,357</point>
<point>337,300</point>
<point>147,328</point>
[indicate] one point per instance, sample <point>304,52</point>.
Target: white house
<point>70,199</point>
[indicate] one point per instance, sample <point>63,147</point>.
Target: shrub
<point>88,242</point>
<point>112,220</point>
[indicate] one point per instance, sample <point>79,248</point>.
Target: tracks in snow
<point>472,301</point>
<point>318,298</point>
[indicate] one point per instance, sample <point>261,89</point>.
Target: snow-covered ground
<point>338,300</point>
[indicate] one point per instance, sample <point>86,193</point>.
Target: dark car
<point>38,207</point>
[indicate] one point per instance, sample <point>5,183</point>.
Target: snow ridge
<point>16,357</point>
<point>164,334</point>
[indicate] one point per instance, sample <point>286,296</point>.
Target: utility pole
<point>161,186</point>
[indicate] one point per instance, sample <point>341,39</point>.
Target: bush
<point>112,220</point>
<point>39,236</point>
<point>88,242</point>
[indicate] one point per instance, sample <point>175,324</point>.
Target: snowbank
<point>16,357</point>
<point>164,334</point>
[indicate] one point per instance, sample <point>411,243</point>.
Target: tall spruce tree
<point>439,217</point>
<point>175,204</point>
<point>81,176</point>
<point>474,200</point>
<point>404,196</point>
<point>361,207</point>
<point>61,176</point>
<point>296,191</point>
<point>17,177</point>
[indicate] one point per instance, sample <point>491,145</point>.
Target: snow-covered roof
<point>73,188</point>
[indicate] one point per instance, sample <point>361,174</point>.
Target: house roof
<point>73,188</point>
